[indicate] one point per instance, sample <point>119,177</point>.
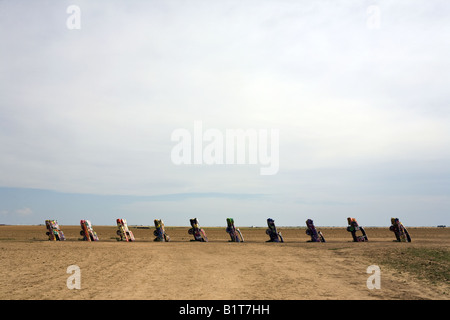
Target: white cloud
<point>24,212</point>
<point>92,110</point>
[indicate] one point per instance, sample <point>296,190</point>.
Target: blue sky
<point>86,115</point>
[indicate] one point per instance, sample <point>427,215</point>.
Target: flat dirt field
<point>33,268</point>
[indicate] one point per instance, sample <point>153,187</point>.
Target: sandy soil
<point>31,267</point>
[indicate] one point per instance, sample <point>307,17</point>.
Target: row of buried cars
<point>358,233</point>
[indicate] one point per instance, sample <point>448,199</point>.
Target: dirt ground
<point>33,268</point>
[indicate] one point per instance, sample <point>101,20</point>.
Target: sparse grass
<point>425,263</point>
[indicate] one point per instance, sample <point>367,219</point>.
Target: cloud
<point>24,212</point>
<point>92,110</point>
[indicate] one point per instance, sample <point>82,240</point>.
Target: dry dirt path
<point>190,270</point>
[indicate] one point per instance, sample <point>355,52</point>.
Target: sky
<point>357,90</point>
